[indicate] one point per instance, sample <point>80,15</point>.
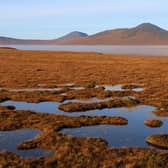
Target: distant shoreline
<point>140,50</point>
<point>8,48</point>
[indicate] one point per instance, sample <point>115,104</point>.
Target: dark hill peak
<point>78,33</point>
<point>148,27</point>
<point>73,36</point>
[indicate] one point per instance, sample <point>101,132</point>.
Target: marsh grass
<point>117,102</point>
<point>27,69</point>
<point>153,123</point>
<point>158,140</point>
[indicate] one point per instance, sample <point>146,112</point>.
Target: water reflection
<point>10,139</point>
<point>118,88</point>
<point>131,135</point>
<point>158,50</point>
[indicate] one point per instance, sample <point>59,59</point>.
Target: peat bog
<point>82,117</point>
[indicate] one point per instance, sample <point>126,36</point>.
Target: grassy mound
<point>153,123</point>
<point>158,140</point>
<point>161,113</point>
<point>118,102</point>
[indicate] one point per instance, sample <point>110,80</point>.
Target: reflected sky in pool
<point>118,88</point>
<point>52,108</point>
<point>10,139</point>
<point>131,135</point>
<point>146,50</point>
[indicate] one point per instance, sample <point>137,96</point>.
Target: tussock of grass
<point>131,86</point>
<point>153,123</point>
<point>158,140</point>
<point>77,107</point>
<point>33,97</point>
<point>161,112</point>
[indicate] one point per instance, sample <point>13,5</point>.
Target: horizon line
<point>46,39</point>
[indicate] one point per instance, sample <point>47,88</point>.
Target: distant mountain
<point>72,36</point>
<point>14,41</point>
<point>143,34</point>
<point>69,37</point>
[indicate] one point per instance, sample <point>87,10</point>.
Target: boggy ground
<point>70,151</point>
<point>70,94</point>
<point>115,102</point>
<point>29,69</point>
<point>34,97</point>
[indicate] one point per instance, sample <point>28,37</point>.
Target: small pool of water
<point>119,88</point>
<point>77,88</point>
<point>131,135</point>
<point>138,89</point>
<point>70,86</point>
<point>52,108</point>
<point>113,88</point>
<point>34,89</point>
<point>90,100</point>
<point>31,89</point>
<point>44,107</point>
<point>10,139</point>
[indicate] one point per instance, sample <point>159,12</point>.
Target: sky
<point>50,19</point>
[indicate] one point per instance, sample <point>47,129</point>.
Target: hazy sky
<point>47,19</point>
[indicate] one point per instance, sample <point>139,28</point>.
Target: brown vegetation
<point>34,97</point>
<point>158,140</point>
<point>163,109</point>
<point>153,123</point>
<point>131,86</point>
<point>28,69</point>
<point>70,151</point>
<point>161,112</point>
<point>117,102</point>
<point>19,69</point>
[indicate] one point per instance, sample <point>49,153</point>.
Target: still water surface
<point>156,50</point>
<point>10,139</point>
<point>131,135</point>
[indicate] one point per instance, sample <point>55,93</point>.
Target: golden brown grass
<point>69,151</point>
<point>34,97</point>
<point>28,69</point>
<point>153,123</point>
<point>158,140</point>
<point>117,102</point>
